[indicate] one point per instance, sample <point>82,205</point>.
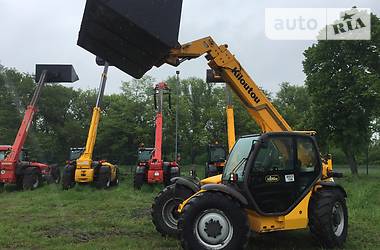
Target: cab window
<point>306,155</point>
<point>2,155</point>
<point>277,154</point>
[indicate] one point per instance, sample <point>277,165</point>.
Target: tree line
<point>338,100</point>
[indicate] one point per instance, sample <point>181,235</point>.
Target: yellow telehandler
<point>81,168</point>
<point>272,181</point>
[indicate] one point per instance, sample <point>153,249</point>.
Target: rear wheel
<point>138,180</point>
<point>68,177</point>
<point>169,176</point>
<point>32,179</point>
<point>213,220</point>
<point>2,187</point>
<point>56,174</point>
<point>328,218</point>
<point>103,180</point>
<point>164,209</point>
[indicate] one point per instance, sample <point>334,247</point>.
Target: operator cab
<point>5,150</point>
<point>274,170</point>
<point>144,154</point>
<point>216,153</point>
<point>75,153</point>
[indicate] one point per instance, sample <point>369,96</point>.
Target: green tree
<point>293,102</point>
<point>343,81</point>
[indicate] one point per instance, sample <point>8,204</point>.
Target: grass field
<point>119,218</point>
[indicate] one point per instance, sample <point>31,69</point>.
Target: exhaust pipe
<point>133,35</point>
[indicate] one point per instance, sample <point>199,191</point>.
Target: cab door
<point>283,169</point>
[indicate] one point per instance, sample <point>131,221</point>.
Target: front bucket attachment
<point>57,73</point>
<point>133,35</point>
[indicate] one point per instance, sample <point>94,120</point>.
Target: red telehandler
<point>155,170</point>
<point>15,165</point>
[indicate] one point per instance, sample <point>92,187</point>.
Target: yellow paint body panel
<point>84,175</point>
<point>296,219</point>
<point>212,180</point>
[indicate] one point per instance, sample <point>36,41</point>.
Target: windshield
<point>144,155</point>
<point>2,155</point>
<point>217,154</point>
<point>75,153</point>
<point>238,155</point>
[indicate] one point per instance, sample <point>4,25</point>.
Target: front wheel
<point>32,179</point>
<point>103,180</point>
<point>164,209</point>
<point>213,220</point>
<point>138,180</point>
<point>68,177</point>
<point>328,218</point>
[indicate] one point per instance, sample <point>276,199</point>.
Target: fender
<point>104,169</point>
<point>188,182</point>
<point>30,170</point>
<point>227,190</point>
<point>140,170</point>
<point>333,185</point>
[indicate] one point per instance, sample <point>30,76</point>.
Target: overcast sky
<point>45,31</point>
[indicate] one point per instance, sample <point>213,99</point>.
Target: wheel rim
<point>36,181</point>
<point>213,229</point>
<point>337,219</point>
<point>170,214</point>
<point>108,184</point>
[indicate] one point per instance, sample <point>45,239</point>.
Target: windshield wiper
<point>235,169</point>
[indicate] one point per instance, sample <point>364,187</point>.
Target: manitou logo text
<point>272,178</point>
<point>349,23</point>
<point>243,82</point>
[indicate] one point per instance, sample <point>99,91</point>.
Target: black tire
<point>19,180</point>
<point>116,181</point>
<point>138,181</point>
<point>103,179</point>
<point>328,218</point>
<point>219,211</point>
<point>164,209</point>
<point>2,187</point>
<point>32,179</point>
<point>68,177</point>
<point>56,174</point>
<point>168,176</point>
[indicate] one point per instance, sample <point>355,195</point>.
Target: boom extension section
<point>228,67</point>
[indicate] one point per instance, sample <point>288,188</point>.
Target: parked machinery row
<point>273,181</point>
